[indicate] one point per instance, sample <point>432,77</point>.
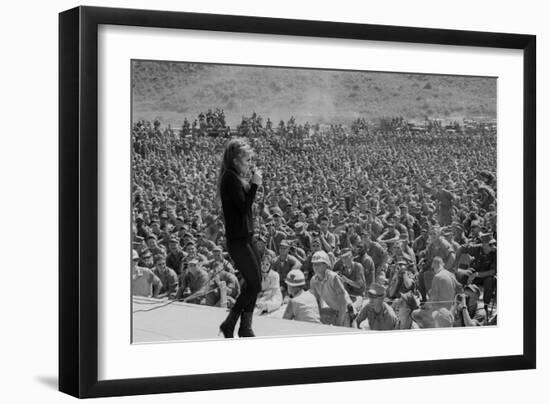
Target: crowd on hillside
<point>372,230</point>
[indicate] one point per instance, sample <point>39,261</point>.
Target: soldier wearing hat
<point>406,219</point>
<point>325,210</point>
<point>218,260</point>
<point>167,276</point>
<point>144,281</point>
<point>193,282</point>
<point>274,236</point>
<point>374,224</point>
<point>483,268</point>
<point>202,241</point>
<point>448,233</point>
<point>404,306</point>
<point>445,201</point>
<point>163,216</point>
<point>459,236</point>
<point>220,278</point>
<point>403,276</point>
<point>468,310</point>
<point>284,263</point>
<point>328,240</point>
<point>442,293</point>
<point>329,290</point>
<point>302,236</point>
<point>437,247</point>
<point>307,266</point>
<point>351,273</point>
<point>405,252</point>
<point>475,230</point>
<point>391,233</point>
<point>154,246</point>
<point>379,314</point>
<point>302,305</point>
<point>378,254</point>
<point>147,259</point>
<point>176,257</point>
<point>192,253</point>
<point>261,246</point>
<point>280,225</point>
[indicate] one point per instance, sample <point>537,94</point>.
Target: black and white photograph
<point>273,201</point>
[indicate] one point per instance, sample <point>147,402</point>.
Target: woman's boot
<point>228,326</point>
<point>245,328</point>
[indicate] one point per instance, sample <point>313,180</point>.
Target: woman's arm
<point>233,190</point>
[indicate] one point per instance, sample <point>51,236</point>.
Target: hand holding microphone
<point>256,176</point>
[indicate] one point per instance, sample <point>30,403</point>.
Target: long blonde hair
<point>235,148</point>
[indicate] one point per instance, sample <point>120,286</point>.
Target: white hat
<point>320,256</point>
<point>295,277</point>
<point>135,255</point>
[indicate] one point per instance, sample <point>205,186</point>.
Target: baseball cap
<point>376,290</point>
<point>320,256</point>
<point>346,252</point>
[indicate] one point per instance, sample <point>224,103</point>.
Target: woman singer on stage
<point>237,195</point>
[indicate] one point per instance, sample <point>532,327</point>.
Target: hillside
<point>171,91</point>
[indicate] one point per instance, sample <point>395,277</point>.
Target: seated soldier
<point>302,305</point>
<point>176,256</point>
<point>441,295</point>
<point>379,315</point>
<point>218,259</point>
<point>224,285</point>
<point>193,283</point>
<point>468,310</point>
<point>144,281</point>
<point>352,275</point>
<point>483,267</point>
<point>284,263</point>
<point>404,307</point>
<point>402,280</point>
<point>167,276</point>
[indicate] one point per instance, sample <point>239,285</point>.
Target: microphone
<point>255,171</point>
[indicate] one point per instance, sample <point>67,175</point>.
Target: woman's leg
<point>246,261</point>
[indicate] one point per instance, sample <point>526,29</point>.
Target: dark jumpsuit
<point>237,199</point>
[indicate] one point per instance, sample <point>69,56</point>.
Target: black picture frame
<point>78,200</point>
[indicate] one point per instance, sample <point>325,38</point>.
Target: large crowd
<point>371,229</point>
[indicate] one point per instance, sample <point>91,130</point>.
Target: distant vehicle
<point>216,132</point>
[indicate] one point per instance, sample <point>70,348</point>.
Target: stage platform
<point>157,320</point>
